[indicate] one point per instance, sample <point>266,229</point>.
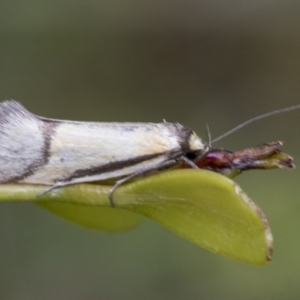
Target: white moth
<point>38,150</point>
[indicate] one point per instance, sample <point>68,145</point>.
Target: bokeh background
<point>214,61</point>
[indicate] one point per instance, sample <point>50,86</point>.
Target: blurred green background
<point>220,62</point>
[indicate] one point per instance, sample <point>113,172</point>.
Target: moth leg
<point>189,162</point>
<point>139,173</point>
<point>142,172</point>
<point>53,187</point>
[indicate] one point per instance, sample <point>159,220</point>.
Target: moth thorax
<point>196,144</point>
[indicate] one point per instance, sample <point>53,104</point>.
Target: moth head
<point>196,147</point>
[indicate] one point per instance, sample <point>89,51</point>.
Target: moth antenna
<point>208,135</point>
<point>266,115</point>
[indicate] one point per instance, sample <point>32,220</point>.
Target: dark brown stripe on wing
<point>110,167</point>
<point>47,130</point>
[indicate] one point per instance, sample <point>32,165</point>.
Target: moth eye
<point>192,154</point>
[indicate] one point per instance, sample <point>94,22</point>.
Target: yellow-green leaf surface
<point>94,217</point>
<point>84,205</point>
<point>203,207</point>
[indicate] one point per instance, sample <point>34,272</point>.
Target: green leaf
<point>94,217</point>
<point>203,207</point>
<point>85,205</point>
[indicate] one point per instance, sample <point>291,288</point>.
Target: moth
<point>38,150</point>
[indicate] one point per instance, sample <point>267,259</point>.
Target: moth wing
<point>21,141</point>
